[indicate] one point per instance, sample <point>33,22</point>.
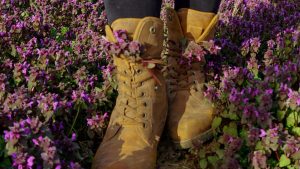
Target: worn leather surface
<point>190,113</point>
<point>139,116</point>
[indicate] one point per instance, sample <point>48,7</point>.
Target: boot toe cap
<point>189,128</point>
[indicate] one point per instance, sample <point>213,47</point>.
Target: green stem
<point>74,121</point>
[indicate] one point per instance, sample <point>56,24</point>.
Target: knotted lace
<point>131,51</point>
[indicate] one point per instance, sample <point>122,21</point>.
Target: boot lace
<point>131,115</point>
<point>131,51</point>
<point>185,60</point>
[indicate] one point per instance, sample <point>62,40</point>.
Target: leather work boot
<point>190,113</point>
<point>138,119</point>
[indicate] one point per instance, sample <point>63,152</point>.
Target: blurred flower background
<point>57,87</point>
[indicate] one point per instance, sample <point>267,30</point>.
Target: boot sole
<point>198,140</point>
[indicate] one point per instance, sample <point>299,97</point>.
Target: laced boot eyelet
<point>145,104</point>
<point>144,125</point>
<point>156,88</point>
<point>152,29</point>
<point>142,94</point>
<point>144,115</point>
<point>139,71</point>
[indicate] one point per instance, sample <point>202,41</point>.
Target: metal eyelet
<point>139,71</point>
<point>144,125</point>
<point>156,88</point>
<point>145,104</point>
<point>144,115</point>
<point>142,94</point>
<point>152,29</point>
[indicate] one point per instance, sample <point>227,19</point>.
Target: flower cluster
<point>254,83</point>
<point>57,85</point>
<point>193,52</point>
<point>52,80</point>
<point>133,50</point>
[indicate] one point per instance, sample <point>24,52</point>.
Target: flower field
<point>57,86</point>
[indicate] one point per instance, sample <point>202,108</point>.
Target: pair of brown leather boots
<point>143,105</point>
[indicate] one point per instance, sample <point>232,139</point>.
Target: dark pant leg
<point>131,8</point>
<point>200,5</point>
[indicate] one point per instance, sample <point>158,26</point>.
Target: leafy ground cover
<point>57,87</point>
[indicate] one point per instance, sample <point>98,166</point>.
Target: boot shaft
<point>147,31</point>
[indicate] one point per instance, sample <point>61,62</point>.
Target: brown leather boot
<point>190,113</point>
<point>139,116</point>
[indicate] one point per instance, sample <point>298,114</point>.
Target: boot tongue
<point>194,22</point>
<point>128,24</point>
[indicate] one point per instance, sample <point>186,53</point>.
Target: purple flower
<point>30,161</point>
<point>262,133</point>
<point>97,121</point>
<point>74,137</point>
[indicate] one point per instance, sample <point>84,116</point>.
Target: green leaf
<point>244,133</point>
<point>13,51</point>
<point>259,146</point>
<point>203,163</point>
<point>213,160</point>
<point>231,129</point>
<point>53,32</point>
<point>202,153</point>
<point>10,148</point>
<point>296,131</point>
<point>233,116</point>
<point>216,122</point>
<point>296,156</point>
<point>284,161</point>
<point>292,119</point>
<point>230,115</point>
<point>220,153</point>
<point>64,30</point>
<point>48,115</point>
<point>281,115</point>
